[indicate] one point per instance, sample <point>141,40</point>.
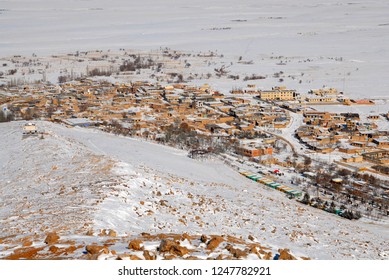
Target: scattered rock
<point>136,245</point>
<point>162,236</point>
<point>148,256</point>
<point>236,253</point>
<point>28,253</point>
<point>27,243</point>
<point>112,233</point>
<point>51,238</point>
<point>168,246</point>
<point>53,249</point>
<point>285,255</point>
<point>192,258</point>
<point>268,256</point>
<point>185,236</point>
<point>203,238</point>
<point>253,249</point>
<point>96,249</point>
<point>178,250</point>
<point>165,245</point>
<point>163,203</point>
<point>89,232</point>
<point>214,243</point>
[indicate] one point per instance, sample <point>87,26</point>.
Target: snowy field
<point>335,43</point>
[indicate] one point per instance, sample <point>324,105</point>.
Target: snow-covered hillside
<point>76,181</point>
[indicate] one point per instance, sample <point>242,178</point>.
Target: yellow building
<point>278,93</point>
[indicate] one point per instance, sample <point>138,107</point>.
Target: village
<point>242,126</point>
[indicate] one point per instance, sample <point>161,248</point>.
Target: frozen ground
<point>76,179</point>
<point>334,43</point>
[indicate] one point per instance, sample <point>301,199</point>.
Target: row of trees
<point>6,116</point>
<point>331,207</point>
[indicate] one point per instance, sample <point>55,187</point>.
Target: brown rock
<point>170,257</point>
<point>220,257</point>
<point>136,245</point>
<point>51,238</point>
<point>70,249</point>
<point>148,256</point>
<point>253,249</point>
<point>166,245</point>
<point>268,256</point>
<point>128,256</point>
<point>28,253</point>
<point>53,249</point>
<point>27,243</point>
<point>236,253</point>
<point>162,236</point>
<point>89,232</point>
<point>203,238</point>
<point>285,255</point>
<point>214,242</point>
<point>163,203</point>
<point>135,258</point>
<point>192,258</point>
<point>251,237</point>
<point>96,249</point>
<point>178,250</point>
<point>185,236</point>
<point>112,233</point>
<point>145,234</point>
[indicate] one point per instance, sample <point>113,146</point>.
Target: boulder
<point>51,238</point>
<point>135,244</point>
<point>214,242</point>
<point>178,250</point>
<point>166,245</point>
<point>148,256</point>
<point>53,249</point>
<point>236,253</point>
<point>285,255</point>
<point>96,249</point>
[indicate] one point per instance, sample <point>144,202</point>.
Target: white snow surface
<point>339,44</point>
<point>105,181</point>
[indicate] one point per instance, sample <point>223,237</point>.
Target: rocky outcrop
<point>51,238</point>
<point>146,246</point>
<point>214,243</point>
<point>285,255</point>
<point>135,244</point>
